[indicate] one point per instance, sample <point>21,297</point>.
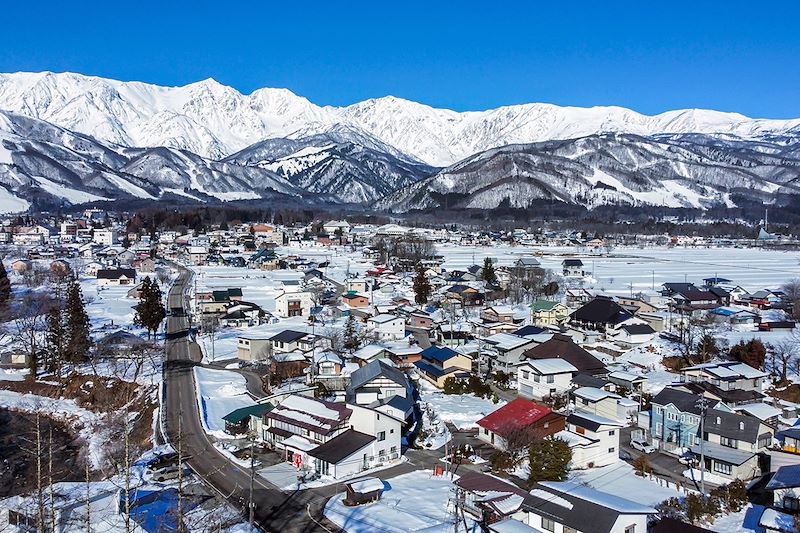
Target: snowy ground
<point>620,479</point>
<point>225,340</point>
<point>218,393</point>
<point>410,502</point>
<point>462,410</point>
<point>644,268</point>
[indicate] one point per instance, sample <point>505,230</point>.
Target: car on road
<point>642,446</point>
<point>625,456</point>
<point>168,473</point>
<point>687,459</point>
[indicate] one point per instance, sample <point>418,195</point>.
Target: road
<point>275,510</point>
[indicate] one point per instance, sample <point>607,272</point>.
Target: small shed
<point>364,490</point>
<point>237,422</point>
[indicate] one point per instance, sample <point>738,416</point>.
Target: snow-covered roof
<point>761,411</point>
<point>367,484</point>
<point>604,499</point>
<point>593,394</point>
<point>551,366</point>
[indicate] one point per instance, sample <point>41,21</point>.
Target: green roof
<point>235,417</point>
<point>543,305</point>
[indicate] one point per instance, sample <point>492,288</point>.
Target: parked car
<point>687,460</point>
<point>642,446</point>
<point>625,456</point>
<point>167,473</point>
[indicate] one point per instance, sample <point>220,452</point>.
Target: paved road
<point>275,510</point>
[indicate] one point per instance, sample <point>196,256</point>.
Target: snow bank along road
<point>275,511</point>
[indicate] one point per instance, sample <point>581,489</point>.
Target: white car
<point>642,446</point>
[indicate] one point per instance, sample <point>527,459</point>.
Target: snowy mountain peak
<point>218,120</point>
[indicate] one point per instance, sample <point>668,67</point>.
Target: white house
<point>590,400</point>
<point>117,276</point>
<point>598,444</point>
<point>104,237</point>
<point>540,378</point>
<point>387,326</point>
<point>289,304</point>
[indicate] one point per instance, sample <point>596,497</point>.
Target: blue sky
<point>731,56</point>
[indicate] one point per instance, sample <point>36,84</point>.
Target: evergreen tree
<point>77,325</point>
<point>5,285</point>
<point>351,341</point>
<point>150,311</point>
<point>549,460</point>
<point>487,273</point>
<point>55,339</point>
<point>707,348</point>
<point>422,287</point>
<point>551,289</point>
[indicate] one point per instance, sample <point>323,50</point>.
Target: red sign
<point>297,461</point>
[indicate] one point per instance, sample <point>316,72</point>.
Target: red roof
<point>519,413</point>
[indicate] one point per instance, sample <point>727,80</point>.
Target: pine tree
<point>150,311</point>
<point>422,287</point>
<point>5,285</point>
<point>77,327</point>
<point>549,460</point>
<point>55,339</point>
<point>487,273</point>
<point>351,341</point>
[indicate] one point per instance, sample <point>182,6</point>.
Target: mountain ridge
<point>215,121</point>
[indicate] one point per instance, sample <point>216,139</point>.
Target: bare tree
<point>782,354</point>
<point>28,326</point>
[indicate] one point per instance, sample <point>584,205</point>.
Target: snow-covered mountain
<point>690,170</point>
<point>348,163</point>
<point>214,121</point>
<point>45,164</point>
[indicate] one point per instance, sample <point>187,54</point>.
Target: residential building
<point>437,364</point>
<point>594,440</point>
<point>563,347</point>
<point>573,267</point>
<point>548,313</point>
<point>568,507</point>
<point>289,304</point>
<point>543,378</point>
<point>519,419</point>
<point>505,351</point>
<point>119,276</point>
<point>387,326</point>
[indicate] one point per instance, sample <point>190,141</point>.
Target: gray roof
<point>375,369</point>
<point>684,401</point>
<point>733,426</point>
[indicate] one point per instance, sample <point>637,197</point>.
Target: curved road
<point>275,510</point>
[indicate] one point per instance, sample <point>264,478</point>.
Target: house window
<point>673,417</point>
<point>525,374</point>
<point>631,529</point>
<point>391,430</point>
<point>537,378</point>
<point>611,450</point>
<point>730,443</point>
<point>791,503</point>
<point>548,525</point>
<point>658,428</point>
<point>551,379</point>
<point>612,432</point>
<point>722,468</point>
<point>381,435</point>
<point>568,529</point>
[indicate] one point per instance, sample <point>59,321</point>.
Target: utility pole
<point>702,403</point>
<point>251,506</point>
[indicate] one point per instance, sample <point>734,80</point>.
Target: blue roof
<point>436,353</point>
<point>427,368</point>
<point>786,477</point>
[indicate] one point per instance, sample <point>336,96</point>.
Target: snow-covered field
<point>218,393</point>
<point>462,410</point>
<point>410,502</point>
<point>645,268</point>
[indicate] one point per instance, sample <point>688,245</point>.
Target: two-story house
<point>563,347</point>
<point>387,326</point>
<point>594,440</point>
<point>289,304</point>
<point>505,350</point>
<point>548,313</point>
<point>595,401</point>
<point>439,363</point>
<point>542,378</point>
<point>573,267</point>
<point>732,383</point>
